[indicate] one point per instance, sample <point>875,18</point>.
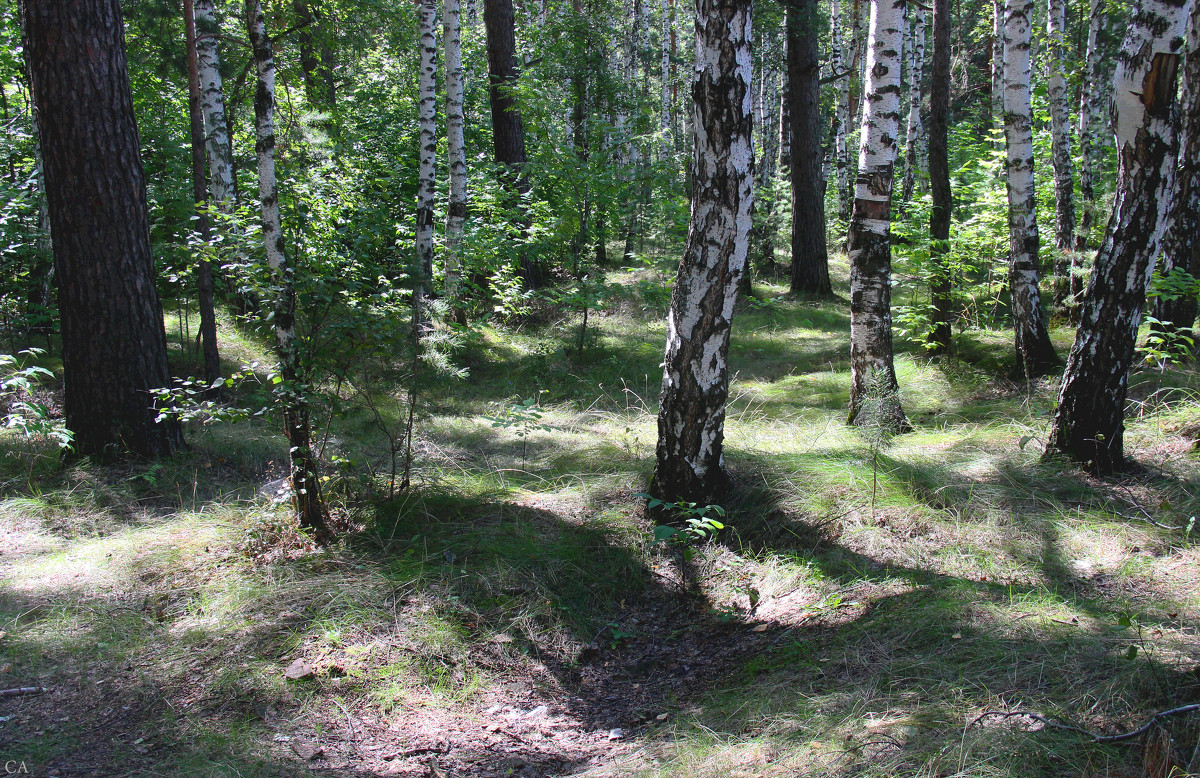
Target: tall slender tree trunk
<point>810,254</point>
<point>204,273</point>
<point>456,150</point>
<point>871,365</point>
<point>997,62</point>
<point>427,139</point>
<point>691,422</point>
<point>842,118</point>
<point>939,179</point>
<point>1181,249</point>
<point>508,131</point>
<point>1089,423</point>
<point>915,134</point>
<point>1035,354</point>
<point>1087,102</point>
<point>1060,128</point>
<point>306,482</point>
<point>114,347</point>
<point>221,186</point>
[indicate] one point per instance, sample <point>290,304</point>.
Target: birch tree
<point>840,68</point>
<point>1087,102</point>
<point>427,140</point>
<point>1035,354</point>
<point>305,479</point>
<point>871,366</point>
<point>915,134</point>
<point>456,151</point>
<point>221,188</point>
<point>1089,423</point>
<point>691,421</point>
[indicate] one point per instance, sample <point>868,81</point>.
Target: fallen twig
<point>21,691</point>
<point>1095,737</point>
<point>441,749</point>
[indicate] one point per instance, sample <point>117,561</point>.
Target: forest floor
<point>509,614</point>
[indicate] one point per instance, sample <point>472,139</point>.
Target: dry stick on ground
<point>1096,738</point>
<point>21,691</point>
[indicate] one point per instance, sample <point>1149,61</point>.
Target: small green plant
<point>523,417</point>
<point>695,525</point>
<point>875,425</point>
<point>28,418</point>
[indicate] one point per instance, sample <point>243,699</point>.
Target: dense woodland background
<point>412,488</point>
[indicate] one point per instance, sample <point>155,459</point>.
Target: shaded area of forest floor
<point>510,615</point>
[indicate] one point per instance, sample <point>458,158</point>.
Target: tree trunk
<point>204,274</point>
<point>1035,354</point>
<point>427,160</point>
<point>456,148</point>
<point>939,178</point>
<point>841,109</point>
<point>114,345</point>
<point>915,135</point>
<point>691,421</point>
<point>508,132</point>
<point>1060,128</point>
<point>318,63</point>
<point>306,482</point>
<point>1087,102</point>
<point>221,185</point>
<point>997,62</point>
<point>1089,423</point>
<point>871,368</point>
<point>1181,249</point>
<point>810,255</point>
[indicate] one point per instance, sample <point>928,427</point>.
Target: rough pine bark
<point>871,365</point>
<point>306,482</point>
<point>1181,249</point>
<point>427,140</point>
<point>1035,354</point>
<point>508,131</point>
<point>1089,423</point>
<point>810,254</point>
<point>939,178</point>
<point>113,343</point>
<point>456,151</point>
<point>914,137</point>
<point>204,273</point>
<point>691,420</point>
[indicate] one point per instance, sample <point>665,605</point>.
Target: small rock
<point>662,716</point>
<point>307,751</point>
<point>540,710</point>
<point>298,669</point>
<point>493,710</point>
<point>616,733</point>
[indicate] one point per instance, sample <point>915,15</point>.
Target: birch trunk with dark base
<point>871,364</point>
<point>456,151</point>
<point>204,274</point>
<point>1181,249</point>
<point>508,131</point>
<point>810,255</point>
<point>939,178</point>
<point>1035,354</point>
<point>691,421</point>
<point>114,347</point>
<point>306,483</point>
<point>1089,423</point>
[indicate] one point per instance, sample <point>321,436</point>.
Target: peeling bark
<point>871,362</point>
<point>691,421</point>
<point>1089,423</point>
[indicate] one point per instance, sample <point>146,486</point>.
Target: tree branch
<point>21,691</point>
<point>1095,737</point>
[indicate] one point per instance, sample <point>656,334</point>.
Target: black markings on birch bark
<point>871,359</point>
<point>1089,423</point>
<point>427,131</point>
<point>914,136</point>
<point>1035,354</point>
<point>691,422</point>
<point>456,151</point>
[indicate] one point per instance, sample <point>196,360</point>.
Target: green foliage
<point>27,417</point>
<point>690,524</point>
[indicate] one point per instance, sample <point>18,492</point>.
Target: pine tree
<point>939,177</point>
<point>810,254</point>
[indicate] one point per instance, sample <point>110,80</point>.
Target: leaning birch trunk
<point>1181,250</point>
<point>1060,128</point>
<point>939,178</point>
<point>1087,103</point>
<point>691,422</point>
<point>306,483</point>
<point>872,371</point>
<point>456,148</point>
<point>841,109</point>
<point>212,103</point>
<point>915,135</point>
<point>427,157</point>
<point>1089,423</point>
<point>1035,354</point>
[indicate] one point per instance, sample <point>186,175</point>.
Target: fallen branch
<point>1095,737</point>
<point>21,691</point>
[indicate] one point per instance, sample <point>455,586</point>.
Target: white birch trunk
<point>691,422</point>
<point>915,134</point>
<point>1060,127</point>
<point>456,149</point>
<point>664,116</point>
<point>1089,423</point>
<point>212,105</point>
<point>1034,351</point>
<point>841,110</point>
<point>1087,102</point>
<point>427,128</point>
<point>998,61</point>
<point>871,367</point>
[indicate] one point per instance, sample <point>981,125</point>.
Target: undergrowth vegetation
<point>860,608</point>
